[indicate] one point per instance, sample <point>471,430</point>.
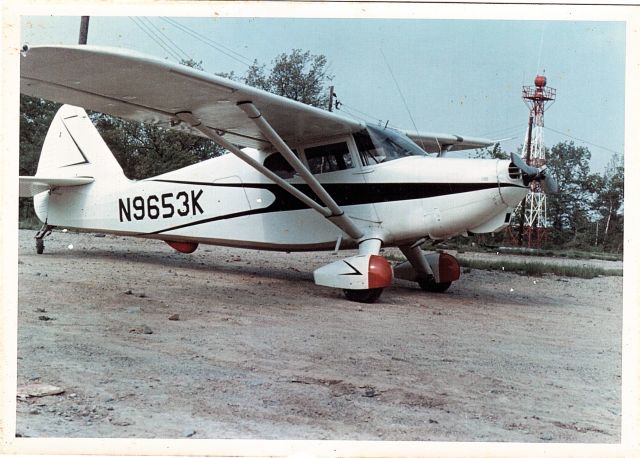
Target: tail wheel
<point>429,284</point>
<point>39,246</point>
<point>367,296</point>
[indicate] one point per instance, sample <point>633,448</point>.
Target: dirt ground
<point>258,351</point>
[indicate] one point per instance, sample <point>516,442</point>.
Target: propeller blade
<point>549,183</point>
<point>526,169</point>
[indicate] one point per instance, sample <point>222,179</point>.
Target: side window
<point>328,158</point>
<point>366,148</point>
<point>279,165</point>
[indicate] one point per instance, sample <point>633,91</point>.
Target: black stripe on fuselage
<point>343,193</point>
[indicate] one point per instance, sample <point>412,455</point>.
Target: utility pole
<point>84,30</point>
<point>331,94</point>
<point>523,204</point>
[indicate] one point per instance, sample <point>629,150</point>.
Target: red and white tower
<point>533,211</point>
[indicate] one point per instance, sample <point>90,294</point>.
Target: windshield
<point>377,145</point>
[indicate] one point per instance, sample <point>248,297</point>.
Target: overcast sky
<point>457,76</point>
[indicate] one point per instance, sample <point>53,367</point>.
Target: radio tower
<point>533,209</point>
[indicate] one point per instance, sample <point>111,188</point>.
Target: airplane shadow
<point>229,262</point>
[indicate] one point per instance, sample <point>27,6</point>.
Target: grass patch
<point>538,269</point>
<point>560,253</point>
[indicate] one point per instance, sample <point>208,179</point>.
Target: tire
<point>368,296</point>
<point>39,246</point>
<point>430,285</point>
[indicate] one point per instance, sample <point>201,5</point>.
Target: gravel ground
<point>229,343</point>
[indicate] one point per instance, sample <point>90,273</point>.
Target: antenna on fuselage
<point>401,96</point>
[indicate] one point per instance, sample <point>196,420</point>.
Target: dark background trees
<point>586,213</point>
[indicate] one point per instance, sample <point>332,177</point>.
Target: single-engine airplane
<point>298,178</point>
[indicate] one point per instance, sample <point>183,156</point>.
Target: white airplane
<point>298,178</point>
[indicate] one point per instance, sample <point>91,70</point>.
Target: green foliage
<point>300,76</point>
<point>568,208</point>
<point>144,150</point>
<point>490,152</point>
<point>536,268</point>
<point>35,117</point>
<point>608,204</point>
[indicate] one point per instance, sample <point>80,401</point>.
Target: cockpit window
<point>279,165</point>
<point>328,158</point>
<point>378,145</point>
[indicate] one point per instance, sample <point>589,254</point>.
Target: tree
<point>608,204</point>
<point>492,152</point>
<point>35,117</point>
<point>569,208</point>
<point>300,76</point>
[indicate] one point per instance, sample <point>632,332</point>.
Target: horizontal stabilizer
<point>30,186</point>
<point>440,143</point>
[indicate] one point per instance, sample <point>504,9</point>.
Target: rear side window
<point>328,158</point>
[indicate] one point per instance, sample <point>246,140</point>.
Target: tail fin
<point>74,148</point>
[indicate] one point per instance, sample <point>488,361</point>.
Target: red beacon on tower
<point>537,97</point>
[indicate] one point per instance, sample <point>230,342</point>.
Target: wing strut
<point>333,212</point>
<point>338,217</point>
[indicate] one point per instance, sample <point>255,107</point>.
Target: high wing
<point>133,86</point>
<point>439,143</point>
<point>30,186</point>
<point>141,88</point>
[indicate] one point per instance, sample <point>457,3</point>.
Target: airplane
<point>297,178</point>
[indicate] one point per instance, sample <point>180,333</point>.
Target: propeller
<point>530,173</point>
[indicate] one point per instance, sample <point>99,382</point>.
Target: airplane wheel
<point>39,246</point>
<point>367,296</point>
<point>430,285</point>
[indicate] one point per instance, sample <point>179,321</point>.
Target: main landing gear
<point>42,233</point>
<point>430,285</point>
<point>362,277</point>
<point>434,272</point>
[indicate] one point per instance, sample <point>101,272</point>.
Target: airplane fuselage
<point>221,201</point>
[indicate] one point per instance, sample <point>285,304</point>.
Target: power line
<point>207,41</point>
<point>186,56</point>
<point>583,141</point>
<point>159,42</point>
<point>505,131</point>
<point>204,37</point>
<point>349,108</point>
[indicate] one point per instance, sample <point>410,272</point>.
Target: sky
<point>454,76</point>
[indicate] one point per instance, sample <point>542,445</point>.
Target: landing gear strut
<point>434,272</point>
<point>42,233</point>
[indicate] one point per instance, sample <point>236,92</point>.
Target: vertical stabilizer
<point>74,148</point>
